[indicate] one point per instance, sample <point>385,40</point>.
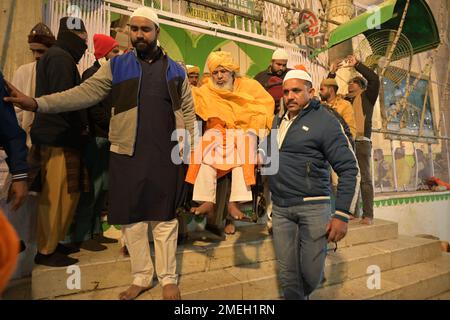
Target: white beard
<point>226,86</point>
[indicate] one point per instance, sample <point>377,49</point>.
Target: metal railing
<point>408,171</point>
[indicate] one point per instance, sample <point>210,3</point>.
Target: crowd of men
<point>104,141</point>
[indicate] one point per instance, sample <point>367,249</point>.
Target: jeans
<point>300,241</point>
<point>363,154</point>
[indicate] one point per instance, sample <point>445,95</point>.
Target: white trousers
<point>165,235</point>
<point>206,183</point>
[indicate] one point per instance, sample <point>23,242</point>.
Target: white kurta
<point>24,79</point>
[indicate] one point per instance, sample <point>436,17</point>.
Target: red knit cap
<point>103,45</point>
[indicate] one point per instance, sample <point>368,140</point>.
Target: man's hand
<point>19,99</point>
<point>335,66</point>
<point>17,194</point>
<point>349,62</point>
<point>336,230</point>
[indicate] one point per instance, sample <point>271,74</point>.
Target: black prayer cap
<point>71,24</point>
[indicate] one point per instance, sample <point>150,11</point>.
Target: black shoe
<point>92,245</point>
<point>23,247</point>
<point>55,259</point>
<point>182,239</point>
<point>66,250</point>
<point>102,239</point>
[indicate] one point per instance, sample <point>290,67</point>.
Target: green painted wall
<point>194,48</point>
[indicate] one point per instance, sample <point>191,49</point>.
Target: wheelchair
<point>253,210</point>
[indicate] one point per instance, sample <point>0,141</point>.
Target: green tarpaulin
<point>419,27</point>
<point>361,23</point>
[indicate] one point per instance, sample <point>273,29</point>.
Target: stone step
<point>259,281</point>
<point>357,261</point>
<point>251,244</point>
<point>415,282</point>
<point>442,296</point>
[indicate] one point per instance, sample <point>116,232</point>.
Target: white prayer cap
<point>280,54</point>
<point>146,12</point>
<point>297,74</point>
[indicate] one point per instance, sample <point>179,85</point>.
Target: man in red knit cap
<point>105,47</point>
<point>86,230</point>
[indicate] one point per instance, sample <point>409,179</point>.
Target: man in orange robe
<point>236,110</point>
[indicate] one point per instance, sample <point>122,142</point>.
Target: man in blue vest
<point>151,98</point>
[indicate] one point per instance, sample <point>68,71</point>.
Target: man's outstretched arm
<point>89,93</point>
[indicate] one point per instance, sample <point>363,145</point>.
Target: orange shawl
<point>9,250</point>
<point>248,107</point>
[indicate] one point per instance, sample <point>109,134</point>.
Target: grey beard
<point>226,86</point>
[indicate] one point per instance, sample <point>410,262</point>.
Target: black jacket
<point>264,76</point>
<point>100,114</point>
<point>314,141</point>
<point>57,71</point>
<point>369,96</point>
<point>12,137</point>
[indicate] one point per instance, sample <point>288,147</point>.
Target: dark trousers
<point>87,219</point>
<point>363,154</point>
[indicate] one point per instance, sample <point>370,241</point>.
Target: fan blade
<point>395,74</point>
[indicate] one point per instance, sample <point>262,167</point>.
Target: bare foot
<point>207,208</point>
<point>171,292</point>
<point>367,221</point>
<point>229,228</point>
<point>234,211</point>
<point>132,292</point>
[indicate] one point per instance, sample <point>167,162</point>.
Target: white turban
<point>297,74</point>
<point>146,12</point>
<point>280,54</point>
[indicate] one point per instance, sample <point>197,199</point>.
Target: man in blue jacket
<point>13,141</point>
<point>309,139</point>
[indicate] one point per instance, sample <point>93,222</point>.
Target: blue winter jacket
<point>12,137</point>
<point>314,141</point>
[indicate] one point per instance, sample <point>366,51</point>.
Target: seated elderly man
<point>235,109</point>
